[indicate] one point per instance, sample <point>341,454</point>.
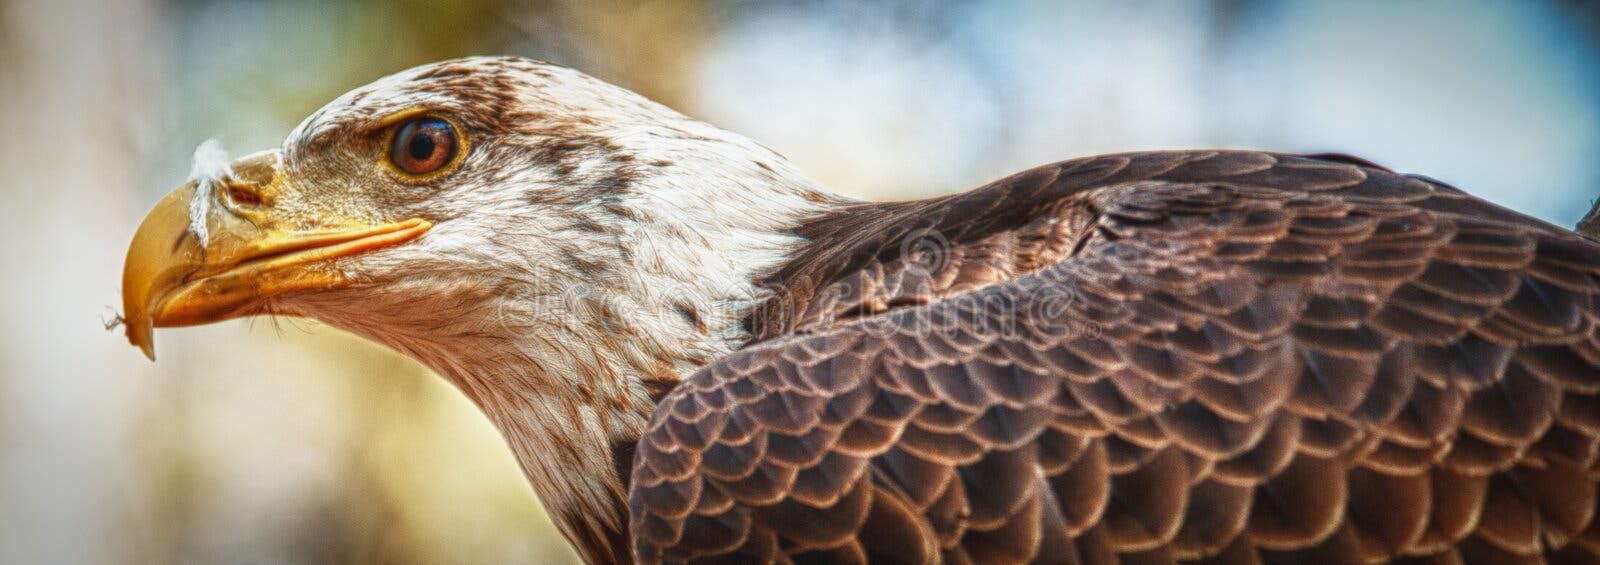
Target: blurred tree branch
<point>647,46</point>
<point>1590,224</point>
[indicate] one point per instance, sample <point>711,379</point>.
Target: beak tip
<point>141,335</point>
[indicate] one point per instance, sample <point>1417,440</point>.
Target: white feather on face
<point>590,247</point>
<point>209,170</point>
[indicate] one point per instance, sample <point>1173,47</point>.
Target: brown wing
<point>1243,357</point>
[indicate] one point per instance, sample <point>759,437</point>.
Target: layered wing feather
<point>1237,357</point>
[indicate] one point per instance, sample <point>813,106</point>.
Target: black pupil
<point>421,146</point>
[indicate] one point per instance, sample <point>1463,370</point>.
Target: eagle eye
<point>423,145</point>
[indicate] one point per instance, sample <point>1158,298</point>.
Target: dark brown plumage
<point>1234,357</point>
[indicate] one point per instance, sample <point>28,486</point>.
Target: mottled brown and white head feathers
<point>590,249</point>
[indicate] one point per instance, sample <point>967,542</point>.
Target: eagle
<point>698,354</point>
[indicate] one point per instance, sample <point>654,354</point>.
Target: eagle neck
<point>573,387</point>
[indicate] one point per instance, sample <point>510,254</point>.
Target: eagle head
<point>453,199</point>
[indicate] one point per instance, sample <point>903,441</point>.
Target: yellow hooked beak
<point>250,254</point>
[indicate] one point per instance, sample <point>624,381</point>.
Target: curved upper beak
<point>174,276</point>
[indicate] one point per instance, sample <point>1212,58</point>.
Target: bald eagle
<point>696,353</point>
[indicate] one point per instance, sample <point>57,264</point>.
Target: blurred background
<point>281,441</point>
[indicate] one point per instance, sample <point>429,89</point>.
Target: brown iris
<point>423,145</point>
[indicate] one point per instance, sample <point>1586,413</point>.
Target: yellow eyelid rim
<point>390,125</point>
<point>397,117</point>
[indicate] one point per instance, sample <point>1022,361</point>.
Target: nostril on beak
<point>242,195</point>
